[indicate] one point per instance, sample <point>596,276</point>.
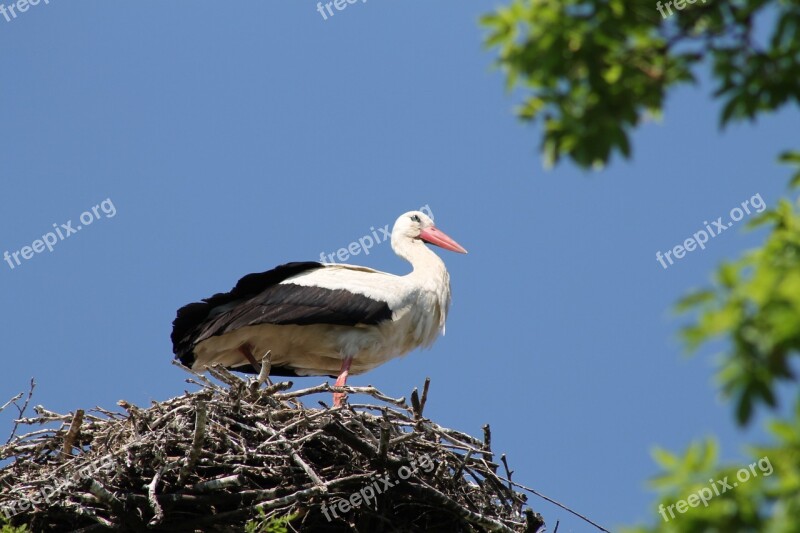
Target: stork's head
<point>417,226</point>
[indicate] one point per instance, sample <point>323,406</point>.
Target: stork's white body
<point>419,302</point>
<point>324,319</point>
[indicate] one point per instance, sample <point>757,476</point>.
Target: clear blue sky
<point>234,137</point>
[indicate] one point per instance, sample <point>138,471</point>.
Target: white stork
<point>323,319</point>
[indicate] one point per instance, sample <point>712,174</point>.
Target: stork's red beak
<point>439,238</point>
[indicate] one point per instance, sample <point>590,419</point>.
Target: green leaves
<point>792,158</point>
<point>734,497</point>
<point>6,527</point>
<point>760,493</point>
<point>755,304</point>
<point>589,72</point>
<point>271,524</point>
<point>679,471</point>
<point>592,69</point>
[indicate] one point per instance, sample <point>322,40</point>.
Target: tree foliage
<point>754,304</point>
<point>5,527</point>
<point>755,301</point>
<point>590,71</point>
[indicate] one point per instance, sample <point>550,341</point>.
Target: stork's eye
<point>416,219</point>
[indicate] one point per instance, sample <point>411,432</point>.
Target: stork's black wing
<point>262,299</point>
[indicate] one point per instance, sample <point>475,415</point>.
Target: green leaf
<point>693,300</point>
<point>790,157</point>
<point>665,459</point>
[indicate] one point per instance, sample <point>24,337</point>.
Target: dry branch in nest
<point>225,456</point>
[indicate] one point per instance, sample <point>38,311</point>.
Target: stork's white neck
<point>423,260</point>
<point>429,275</point>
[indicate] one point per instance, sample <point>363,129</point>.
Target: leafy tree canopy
<point>590,70</point>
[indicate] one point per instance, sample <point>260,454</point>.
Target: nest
<point>238,456</point>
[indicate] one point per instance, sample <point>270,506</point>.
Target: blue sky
<point>232,138</point>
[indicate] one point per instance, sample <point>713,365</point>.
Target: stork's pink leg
<point>246,351</point>
<point>342,381</point>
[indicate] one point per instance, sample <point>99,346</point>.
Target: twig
<point>291,498</point>
<point>222,374</point>
<point>383,446</point>
<point>487,443</point>
<point>336,429</point>
<point>218,484</point>
<point>325,387</point>
<point>295,457</point>
<point>278,387</point>
<point>197,442</point>
<point>72,434</point>
<point>206,382</point>
<point>415,403</point>
<point>508,472</point>
<point>151,497</point>
<point>12,400</point>
<point>104,495</point>
<point>434,496</point>
<point>424,395</point>
<point>558,504</point>
<point>22,410</point>
<point>460,468</point>
<point>266,366</point>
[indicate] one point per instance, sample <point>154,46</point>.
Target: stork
<point>324,319</point>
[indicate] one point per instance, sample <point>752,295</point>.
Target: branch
<point>21,410</point>
<point>197,442</point>
<point>72,434</point>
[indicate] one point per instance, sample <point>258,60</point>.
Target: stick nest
<point>236,456</point>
